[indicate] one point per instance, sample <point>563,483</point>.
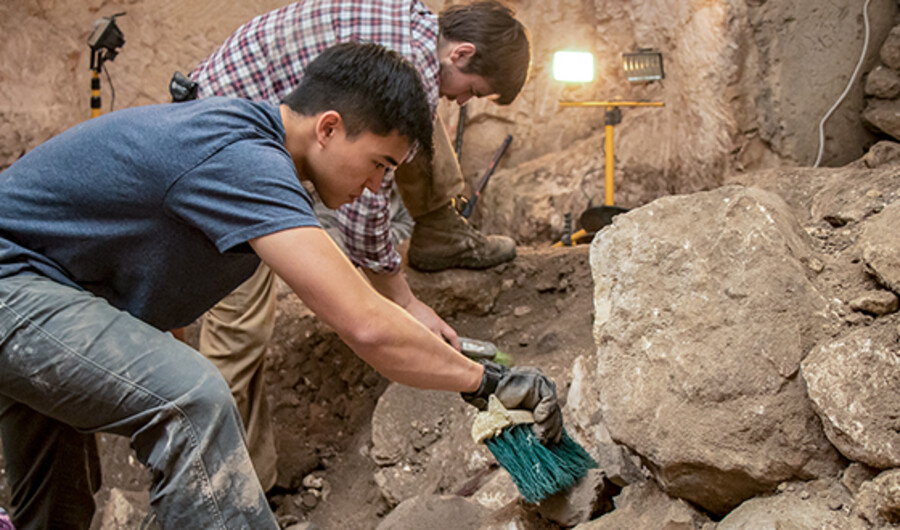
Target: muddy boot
<point>444,239</point>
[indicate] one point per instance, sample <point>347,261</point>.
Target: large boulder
<point>854,384</point>
<point>704,309</point>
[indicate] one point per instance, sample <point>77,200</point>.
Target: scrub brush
<point>538,470</point>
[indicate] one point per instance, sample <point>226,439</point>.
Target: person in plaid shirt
<point>468,51</point>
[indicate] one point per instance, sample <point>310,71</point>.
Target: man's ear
<point>328,124</point>
<point>461,53</point>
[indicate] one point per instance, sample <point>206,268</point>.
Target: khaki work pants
<point>235,333</point>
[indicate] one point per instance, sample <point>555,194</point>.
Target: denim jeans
<point>72,365</point>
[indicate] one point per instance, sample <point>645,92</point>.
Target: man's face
<point>455,84</point>
<point>343,167</point>
<point>460,87</point>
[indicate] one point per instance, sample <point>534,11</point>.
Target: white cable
<point>859,64</point>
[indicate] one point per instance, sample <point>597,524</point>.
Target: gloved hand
<point>522,388</point>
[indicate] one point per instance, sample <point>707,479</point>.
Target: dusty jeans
<point>71,364</point>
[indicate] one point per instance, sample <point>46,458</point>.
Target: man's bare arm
<point>380,332</point>
<point>396,288</point>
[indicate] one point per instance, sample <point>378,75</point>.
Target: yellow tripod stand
<point>595,218</point>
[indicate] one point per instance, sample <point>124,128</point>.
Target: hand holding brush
<point>521,423</point>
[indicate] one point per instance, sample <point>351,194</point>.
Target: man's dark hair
<point>502,51</point>
<point>374,89</point>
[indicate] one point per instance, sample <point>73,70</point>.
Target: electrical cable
<point>112,89</point>
<point>840,99</point>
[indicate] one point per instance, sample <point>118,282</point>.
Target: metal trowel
<point>481,349</point>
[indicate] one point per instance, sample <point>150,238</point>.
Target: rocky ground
<point>729,357</point>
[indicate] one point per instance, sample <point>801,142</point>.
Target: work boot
<point>444,239</point>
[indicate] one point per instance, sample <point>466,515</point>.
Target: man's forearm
<point>381,333</point>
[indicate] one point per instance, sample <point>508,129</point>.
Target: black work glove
<point>521,388</point>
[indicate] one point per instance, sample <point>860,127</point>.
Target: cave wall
<point>747,80</point>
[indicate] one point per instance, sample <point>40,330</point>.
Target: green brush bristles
<point>537,470</point>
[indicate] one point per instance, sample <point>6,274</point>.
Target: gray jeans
<point>71,365</point>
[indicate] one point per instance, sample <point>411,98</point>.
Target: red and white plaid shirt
<point>265,59</point>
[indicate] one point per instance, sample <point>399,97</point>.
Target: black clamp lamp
<point>104,41</point>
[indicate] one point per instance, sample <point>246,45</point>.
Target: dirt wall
<point>747,80</point>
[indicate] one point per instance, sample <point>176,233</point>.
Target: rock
<point>122,510</point>
<point>883,83</point>
<point>878,303</point>
<point>854,385</point>
<point>522,310</point>
<point>614,460</point>
<point>309,500</point>
<point>499,491</point>
<point>422,441</point>
<point>703,312</point>
<point>854,476</point>
<point>434,512</point>
<point>591,495</point>
<point>883,115</point>
<point>311,481</point>
<point>878,500</point>
<point>643,505</point>
<point>883,153</point>
<point>803,506</point>
<point>890,49</point>
<point>880,246</point>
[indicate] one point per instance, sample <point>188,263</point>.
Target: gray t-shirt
<point>151,208</point>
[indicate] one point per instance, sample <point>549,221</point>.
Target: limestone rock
<point>615,461</point>
<point>878,501</point>
<point>880,246</point>
<point>422,441</point>
<point>854,385</point>
<point>875,302</point>
<point>435,512</point>
<point>499,491</point>
<point>883,83</point>
<point>591,495</point>
<point>890,49</point>
<point>643,505</point>
<point>815,505</point>
<point>703,312</point>
<point>884,153</point>
<point>855,475</point>
<point>884,115</point>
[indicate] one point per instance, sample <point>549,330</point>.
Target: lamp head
<point>573,66</point>
<point>105,41</point>
<point>643,66</point>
